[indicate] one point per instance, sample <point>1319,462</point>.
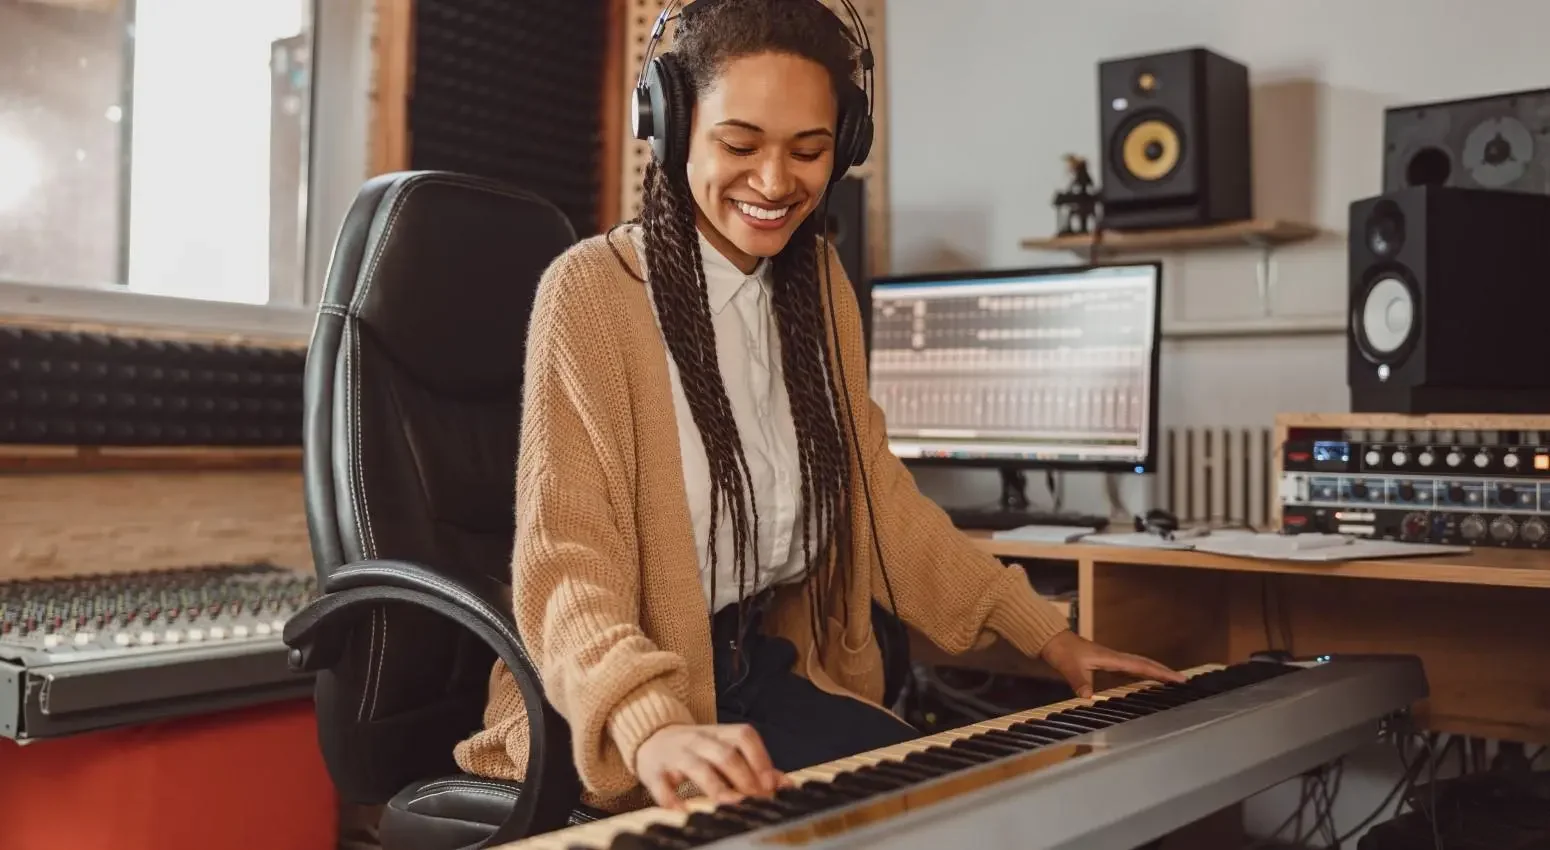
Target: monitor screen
<point>1021,368</point>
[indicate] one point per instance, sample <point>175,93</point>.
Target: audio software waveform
<point>1047,363</point>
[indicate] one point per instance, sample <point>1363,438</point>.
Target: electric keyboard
<point>1128,766</point>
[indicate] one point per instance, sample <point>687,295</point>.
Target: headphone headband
<point>663,100</point>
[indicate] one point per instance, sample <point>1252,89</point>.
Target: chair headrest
<point>440,270</point>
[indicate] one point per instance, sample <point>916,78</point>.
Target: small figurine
<point>1077,205</point>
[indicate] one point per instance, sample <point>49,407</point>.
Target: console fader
<point>1463,487</point>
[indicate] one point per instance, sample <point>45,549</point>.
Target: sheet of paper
<point>1044,533</point>
<point>1323,548</point>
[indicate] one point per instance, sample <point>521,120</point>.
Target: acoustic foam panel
<point>97,389</point>
<point>513,91</point>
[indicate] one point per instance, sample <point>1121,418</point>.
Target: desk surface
<point>1484,566</point>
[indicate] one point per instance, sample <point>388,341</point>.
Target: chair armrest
<point>316,635</point>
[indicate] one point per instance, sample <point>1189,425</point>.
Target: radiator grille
<point>1217,475</point>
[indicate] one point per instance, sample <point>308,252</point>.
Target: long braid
<point>677,274</point>
<point>822,450</point>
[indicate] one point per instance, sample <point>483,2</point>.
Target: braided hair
<point>723,31</point>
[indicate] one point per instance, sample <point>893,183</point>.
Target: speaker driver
<point>1498,151</point>
<point>1150,151</point>
<point>1387,317</point>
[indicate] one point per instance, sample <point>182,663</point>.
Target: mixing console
<point>101,616</point>
<point>166,642</point>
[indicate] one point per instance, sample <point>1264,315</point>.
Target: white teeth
<point>762,213</point>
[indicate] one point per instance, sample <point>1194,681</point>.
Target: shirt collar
<point>723,280</point>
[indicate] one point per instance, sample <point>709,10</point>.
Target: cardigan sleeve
<point>576,576</point>
<point>945,585</point>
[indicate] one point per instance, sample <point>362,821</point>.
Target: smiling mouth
<point>762,213</point>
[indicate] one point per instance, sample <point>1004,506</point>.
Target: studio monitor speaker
<point>847,232</point>
<point>1449,295</point>
<point>1496,142</point>
<point>1174,129</point>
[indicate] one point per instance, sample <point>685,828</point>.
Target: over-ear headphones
<point>664,99</point>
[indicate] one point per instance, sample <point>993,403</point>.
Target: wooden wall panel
<point>636,155</point>
<point>60,524</point>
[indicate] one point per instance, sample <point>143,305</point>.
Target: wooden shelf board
<point>1483,566</point>
<point>1256,232</point>
<point>43,458</point>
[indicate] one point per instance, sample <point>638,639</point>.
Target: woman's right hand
<point>727,762</point>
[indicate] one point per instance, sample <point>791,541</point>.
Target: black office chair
<point>413,382</point>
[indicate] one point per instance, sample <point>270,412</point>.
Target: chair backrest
<point>412,407</point>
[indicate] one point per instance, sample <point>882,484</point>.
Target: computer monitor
<point>1037,368</point>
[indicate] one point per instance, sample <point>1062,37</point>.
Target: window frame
<point>338,162</point>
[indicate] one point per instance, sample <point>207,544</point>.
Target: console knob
<point>1359,489</point>
<point>1454,458</point>
<point>1414,526</point>
<point>1533,530</point>
<point>1503,529</point>
<point>1510,461</point>
<point>1472,527</point>
<point>1398,458</point>
<point>1406,490</point>
<point>1373,457</point>
<point>1482,460</point>
<point>1425,458</point>
<point>1456,493</point>
<point>1507,495</point>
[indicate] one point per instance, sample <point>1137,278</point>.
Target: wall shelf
<point>1255,233</point>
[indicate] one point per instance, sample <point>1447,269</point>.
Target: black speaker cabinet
<point>1174,129</point>
<point>847,232</point>
<point>1449,294</point>
<point>1496,142</point>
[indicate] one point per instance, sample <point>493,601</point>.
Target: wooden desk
<point>1479,622</point>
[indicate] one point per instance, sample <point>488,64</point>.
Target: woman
<point>702,527</point>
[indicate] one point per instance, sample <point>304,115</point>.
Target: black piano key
<point>705,827</point>
<point>987,747</point>
<point>1019,739</point>
<point>1119,712</point>
<point>776,806</point>
<point>970,758</point>
<point>669,837</point>
<point>911,772</point>
<point>1043,730</point>
<point>1124,704</point>
<point>863,784</point>
<point>810,800</point>
<point>1075,727</point>
<point>891,773</point>
<point>940,763</point>
<point>754,816</point>
<point>1096,716</point>
<point>633,841</point>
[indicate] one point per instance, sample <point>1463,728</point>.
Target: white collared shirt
<point>748,350</point>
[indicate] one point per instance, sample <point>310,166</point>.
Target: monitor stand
<point>1014,511</point>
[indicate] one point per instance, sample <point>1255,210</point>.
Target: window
<point>159,147</point>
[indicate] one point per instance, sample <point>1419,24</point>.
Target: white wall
<point>985,96</point>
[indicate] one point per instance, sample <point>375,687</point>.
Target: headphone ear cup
<point>670,142</point>
<point>652,109</point>
<point>853,135</point>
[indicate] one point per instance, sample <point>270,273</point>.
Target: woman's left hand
<point>1075,658</point>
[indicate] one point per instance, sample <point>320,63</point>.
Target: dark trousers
<point>801,725</point>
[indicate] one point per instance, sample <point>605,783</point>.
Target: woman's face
<point>761,148</point>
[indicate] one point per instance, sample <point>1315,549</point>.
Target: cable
<point>850,416</point>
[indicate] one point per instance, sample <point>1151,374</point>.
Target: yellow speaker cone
<point>1151,150</point>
